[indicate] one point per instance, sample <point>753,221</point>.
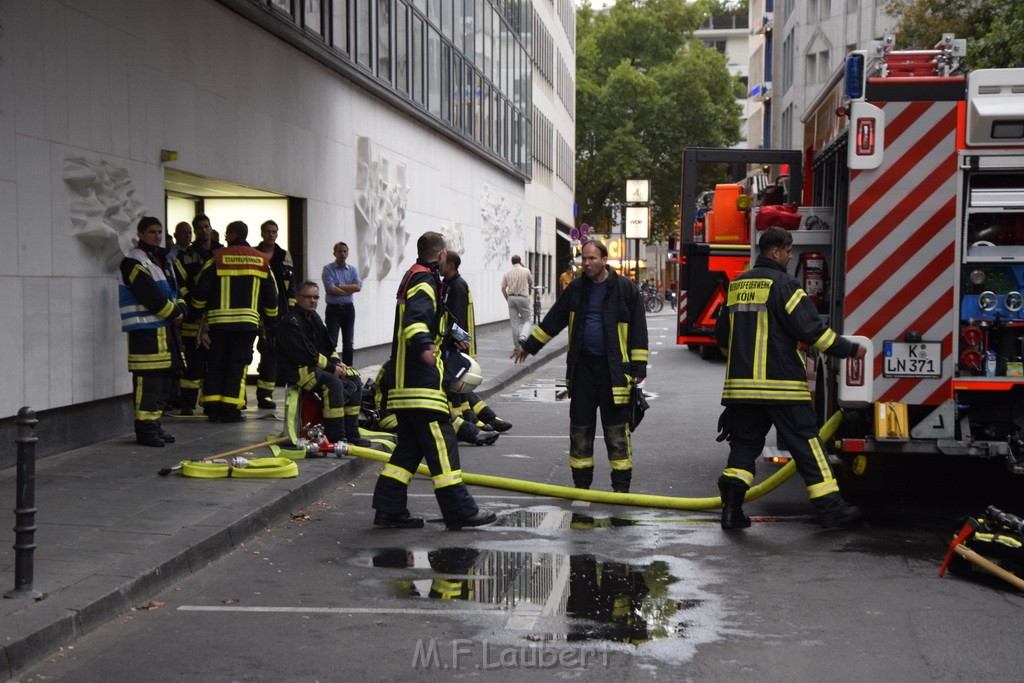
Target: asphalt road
<point>570,590</point>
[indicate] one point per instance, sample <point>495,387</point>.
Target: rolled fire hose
<point>253,468</point>
<point>637,499</point>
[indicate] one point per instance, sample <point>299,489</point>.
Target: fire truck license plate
<point>912,359</point>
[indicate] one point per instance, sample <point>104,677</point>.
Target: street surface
<point>563,590</point>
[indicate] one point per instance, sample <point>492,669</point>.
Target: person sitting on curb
<point>309,360</point>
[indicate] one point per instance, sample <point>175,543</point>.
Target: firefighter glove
<point>725,426</point>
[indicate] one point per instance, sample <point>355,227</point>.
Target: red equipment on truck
<point>924,171</point>
<point>714,245</point>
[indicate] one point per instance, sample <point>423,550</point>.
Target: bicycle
<point>536,302</point>
<point>652,302</point>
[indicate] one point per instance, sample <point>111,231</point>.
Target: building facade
<point>361,121</point>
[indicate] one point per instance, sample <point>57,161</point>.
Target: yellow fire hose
<point>636,499</point>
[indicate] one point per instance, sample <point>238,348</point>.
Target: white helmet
<point>464,373</point>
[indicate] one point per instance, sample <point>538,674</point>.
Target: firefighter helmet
<point>463,373</point>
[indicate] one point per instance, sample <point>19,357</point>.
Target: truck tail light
<point>854,372</point>
<point>853,445</point>
<point>865,137</point>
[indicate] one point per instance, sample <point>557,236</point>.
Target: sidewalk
<point>111,532</point>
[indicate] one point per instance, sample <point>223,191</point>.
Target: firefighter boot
<point>732,507</point>
<point>468,432</point>
<point>265,399</point>
<point>487,415</point>
<point>835,512</point>
<point>581,454</point>
<point>352,435</point>
<point>616,440</point>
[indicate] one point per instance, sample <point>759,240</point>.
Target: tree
<point>993,28</point>
<point>645,89</point>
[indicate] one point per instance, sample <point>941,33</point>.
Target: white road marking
<point>332,610</point>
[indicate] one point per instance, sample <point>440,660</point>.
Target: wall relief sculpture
<point>381,195</point>
<point>502,223</point>
<point>103,207</point>
<point>454,239</point>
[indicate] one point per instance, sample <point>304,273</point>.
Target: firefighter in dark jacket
<point>308,360</point>
<point>235,289</point>
<point>281,268</point>
<point>607,356</point>
<point>765,319</point>
<point>417,398</point>
<point>187,266</point>
<point>151,314</point>
<point>475,422</point>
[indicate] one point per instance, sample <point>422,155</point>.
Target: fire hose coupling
<point>1012,522</point>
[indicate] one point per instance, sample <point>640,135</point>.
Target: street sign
<point>637,222</point>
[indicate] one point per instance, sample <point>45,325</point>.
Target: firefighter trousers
<point>340,402</point>
<point>424,435</point>
<point>195,370</point>
<point>591,392</point>
<point>797,428</point>
<point>152,389</point>
<point>267,369</point>
<point>224,386</point>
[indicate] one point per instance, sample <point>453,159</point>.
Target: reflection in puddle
<point>545,391</point>
<point>550,391</point>
<point>579,597</point>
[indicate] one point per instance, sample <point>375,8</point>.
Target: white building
<point>729,34</point>
<point>811,41</point>
<point>361,121</point>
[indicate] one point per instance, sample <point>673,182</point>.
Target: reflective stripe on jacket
<point>147,296</point>
<point>761,326</point>
<point>418,314</point>
<point>235,288</point>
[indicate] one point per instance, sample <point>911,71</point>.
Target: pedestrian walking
<point>515,287</point>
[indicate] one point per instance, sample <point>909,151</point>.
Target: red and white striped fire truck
<point>923,170</point>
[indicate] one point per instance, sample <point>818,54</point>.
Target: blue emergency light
<point>854,84</point>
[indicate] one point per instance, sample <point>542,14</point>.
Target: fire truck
<point>714,244</point>
<point>921,174</point>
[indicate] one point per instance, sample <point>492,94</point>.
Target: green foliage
<point>993,28</point>
<point>645,89</point>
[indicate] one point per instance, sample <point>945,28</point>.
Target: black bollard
<point>25,510</point>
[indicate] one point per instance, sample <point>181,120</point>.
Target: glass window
<point>339,28</point>
<point>446,82</point>
<point>417,58</point>
<point>493,30</point>
<point>478,33</point>
<point>468,30</point>
<point>467,99</point>
<point>402,47</point>
<point>446,19</point>
<point>434,71</point>
<point>312,17</point>
<point>384,40</point>
<point>434,12</point>
<point>284,5</point>
<point>362,36</point>
<point>421,5</point>
<point>502,59</point>
<point>477,106</point>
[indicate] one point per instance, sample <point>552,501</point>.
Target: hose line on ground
<point>635,499</point>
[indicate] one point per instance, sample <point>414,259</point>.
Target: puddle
<point>569,597</point>
<point>544,391</point>
<point>550,391</point>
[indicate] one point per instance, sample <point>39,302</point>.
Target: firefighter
<point>281,268</point>
<point>475,422</point>
<point>308,359</point>
<point>151,313</point>
<point>187,266</point>
<point>765,318</point>
<point>606,357</point>
<point>235,290</point>
<point>417,398</point>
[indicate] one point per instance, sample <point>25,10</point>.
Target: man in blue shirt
<point>341,281</point>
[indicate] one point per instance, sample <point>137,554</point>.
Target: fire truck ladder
<point>942,60</point>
